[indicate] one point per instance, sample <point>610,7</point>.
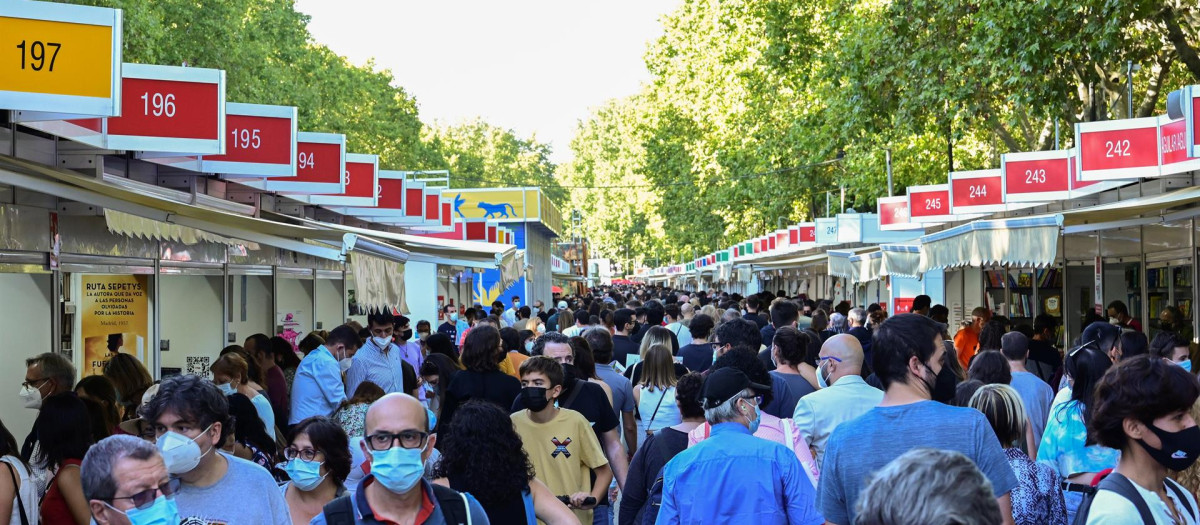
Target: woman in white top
<point>16,490</point>
<point>231,373</point>
<point>655,393</point>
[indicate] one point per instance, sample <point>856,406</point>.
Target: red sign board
<point>808,232</point>
<point>893,213</point>
<point>1173,147</point>
<point>361,180</point>
<point>929,203</point>
<point>447,218</point>
<point>320,167</point>
<point>1037,176</point>
<point>169,109</point>
<point>260,140</point>
<point>1117,149</point>
<point>432,208</point>
<point>1191,114</point>
<point>979,191</point>
<point>414,199</point>
<point>902,305</point>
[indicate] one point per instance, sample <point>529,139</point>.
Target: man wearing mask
<point>590,401</point>
<point>623,346</point>
<point>384,357</point>
<point>397,443</point>
<point>450,327</point>
<point>190,416</point>
<point>1118,314</point>
<point>1143,409</point>
<point>45,375</point>
<point>125,481</point>
<point>317,389</point>
<point>510,315</point>
<point>817,414</point>
<point>539,310</point>
<point>966,341</point>
<point>564,452</point>
<point>908,356</point>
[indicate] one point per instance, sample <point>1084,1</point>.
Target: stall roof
<point>1033,241</point>
<point>901,260</point>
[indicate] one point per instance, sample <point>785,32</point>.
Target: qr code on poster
<point>197,365</point>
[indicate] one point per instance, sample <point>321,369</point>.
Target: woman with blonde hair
<point>657,384</point>
<point>656,335</point>
<point>1037,499</point>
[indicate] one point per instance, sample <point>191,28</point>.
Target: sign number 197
<point>34,54</point>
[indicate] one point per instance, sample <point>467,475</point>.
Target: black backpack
<point>454,507</point>
<point>1123,487</point>
<point>654,496</point>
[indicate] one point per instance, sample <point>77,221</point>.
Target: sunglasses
<point>145,498</point>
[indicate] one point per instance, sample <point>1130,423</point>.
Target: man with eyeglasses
<point>125,482</point>
<point>45,375</point>
<point>397,443</point>
<point>191,422</point>
<point>843,394</point>
<point>733,476</point>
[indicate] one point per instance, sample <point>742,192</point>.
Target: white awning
<point>379,283</point>
<point>901,260</point>
<point>1018,241</point>
<point>855,267</point>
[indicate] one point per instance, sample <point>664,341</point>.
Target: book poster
<point>114,319</point>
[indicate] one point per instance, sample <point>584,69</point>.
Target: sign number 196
<point>34,53</point>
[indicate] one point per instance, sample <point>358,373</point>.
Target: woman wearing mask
<point>1173,348</point>
<point>655,393</point>
<point>423,330</point>
<point>482,353</point>
<point>1038,498</point>
<point>794,376</point>
<point>436,374</point>
<point>352,415</point>
<point>1065,445</point>
<point>585,363</point>
<point>131,380</point>
<point>65,437</point>
<point>254,374</point>
<point>280,362</point>
<point>513,358</point>
<point>527,338</point>
<point>483,455</point>
<point>231,376</point>
<point>660,448</point>
<point>250,440</point>
<point>318,461</point>
<point>18,497</point>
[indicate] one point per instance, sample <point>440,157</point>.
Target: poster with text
<point>114,319</point>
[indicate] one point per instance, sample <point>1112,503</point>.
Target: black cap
<point>724,383</point>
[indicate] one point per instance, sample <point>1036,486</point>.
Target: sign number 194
<point>307,160</point>
<point>34,54</point>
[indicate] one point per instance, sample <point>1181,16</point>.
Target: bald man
<point>397,443</point>
<point>843,395</point>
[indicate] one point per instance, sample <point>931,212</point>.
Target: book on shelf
<point>1025,279</point>
<point>1049,278</point>
<point>1185,308</point>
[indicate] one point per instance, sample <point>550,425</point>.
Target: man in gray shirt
<point>191,423</point>
<point>622,388</point>
<point>908,358</point>
<point>1035,394</point>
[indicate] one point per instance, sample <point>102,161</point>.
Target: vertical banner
<point>1099,290</point>
<point>114,318</point>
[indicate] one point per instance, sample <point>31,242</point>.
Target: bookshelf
<point>1023,293</point>
<point>1168,286</point>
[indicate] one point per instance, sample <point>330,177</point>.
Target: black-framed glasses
<point>28,384</point>
<point>407,439</point>
<point>145,498</point>
<point>307,454</point>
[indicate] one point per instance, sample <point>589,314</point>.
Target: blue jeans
<point>1073,500</point>
<point>602,515</point>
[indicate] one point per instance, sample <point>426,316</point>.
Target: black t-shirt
<point>756,319</point>
<point>697,357</point>
<point>450,330</point>
<point>592,402</point>
<point>494,386</point>
<point>645,468</point>
<point>1044,360</point>
<point>623,346</point>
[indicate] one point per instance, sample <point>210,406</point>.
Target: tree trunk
<point>1175,35</point>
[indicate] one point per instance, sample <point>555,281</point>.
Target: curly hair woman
<point>482,454</point>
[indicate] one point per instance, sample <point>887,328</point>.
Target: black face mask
<point>534,398</point>
<point>406,335</point>
<point>635,328</point>
<point>1179,449</point>
<point>1166,326</point>
<point>570,374</point>
<point>942,387</point>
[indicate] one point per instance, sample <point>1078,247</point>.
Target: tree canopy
<point>757,108</point>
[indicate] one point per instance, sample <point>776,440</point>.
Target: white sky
<point>535,66</point>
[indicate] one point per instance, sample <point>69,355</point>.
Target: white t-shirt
<point>27,493</point>
<point>1110,508</point>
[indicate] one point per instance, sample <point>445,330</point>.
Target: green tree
<point>479,154</point>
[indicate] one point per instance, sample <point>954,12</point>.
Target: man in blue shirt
<point>909,353</point>
<point>317,389</point>
<point>734,477</point>
<point>381,360</point>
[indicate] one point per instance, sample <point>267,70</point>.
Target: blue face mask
<point>756,421</point>
<point>162,512</point>
<point>1186,364</point>
<point>529,346</point>
<point>306,475</point>
<point>227,389</point>
<point>454,316</point>
<point>398,468</point>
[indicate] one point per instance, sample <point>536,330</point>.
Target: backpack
<point>455,508</point>
<point>654,496</point>
<point>1123,487</point>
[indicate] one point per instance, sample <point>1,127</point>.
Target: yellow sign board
<point>505,205</point>
<point>60,58</point>
<point>114,318</point>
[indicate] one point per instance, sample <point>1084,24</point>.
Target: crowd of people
<point>630,405</point>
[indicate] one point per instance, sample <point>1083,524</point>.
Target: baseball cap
<point>1014,343</point>
<point>724,383</point>
<point>562,305</point>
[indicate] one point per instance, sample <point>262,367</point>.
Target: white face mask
<point>1114,320</point>
<point>31,397</point>
<point>181,453</point>
<point>344,363</point>
<point>382,342</point>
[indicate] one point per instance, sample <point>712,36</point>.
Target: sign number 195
<point>34,54</point>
